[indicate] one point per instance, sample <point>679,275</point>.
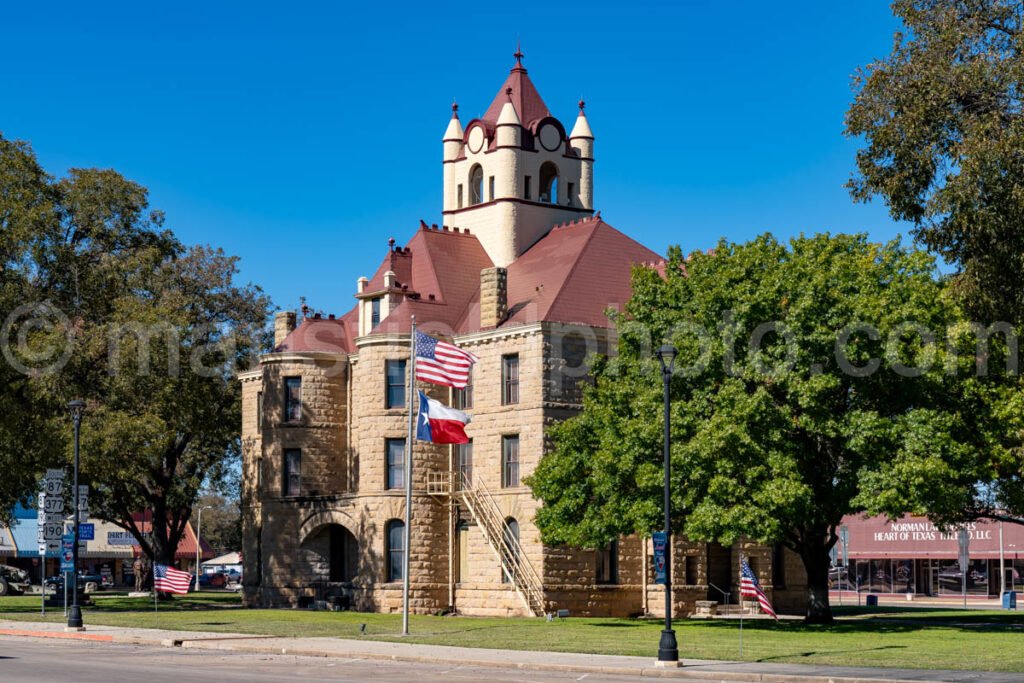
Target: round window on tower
<point>476,139</point>
<point>550,137</point>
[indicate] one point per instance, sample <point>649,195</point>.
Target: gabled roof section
<point>524,96</point>
<point>445,276</point>
<point>574,274</point>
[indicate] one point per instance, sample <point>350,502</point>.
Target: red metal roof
<point>322,334</point>
<point>525,98</point>
<point>187,545</point>
<point>572,275</point>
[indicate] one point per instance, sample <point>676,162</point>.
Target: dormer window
<point>460,195</point>
<point>374,312</point>
<point>476,185</point>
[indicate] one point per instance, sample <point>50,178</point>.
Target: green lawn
<point>900,636</point>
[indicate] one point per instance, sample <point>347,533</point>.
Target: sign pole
<point>1002,563</point>
<point>964,537</point>
<point>410,400</point>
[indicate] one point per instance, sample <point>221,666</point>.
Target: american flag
<point>442,363</point>
<point>750,588</point>
<point>170,580</point>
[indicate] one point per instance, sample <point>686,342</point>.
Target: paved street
<point>24,660</point>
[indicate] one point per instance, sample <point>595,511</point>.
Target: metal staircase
<point>478,500</point>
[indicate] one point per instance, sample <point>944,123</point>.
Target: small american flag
<point>170,580</point>
<point>750,588</point>
<point>442,363</point>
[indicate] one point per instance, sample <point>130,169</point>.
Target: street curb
<point>54,634</point>
<point>233,644</point>
<point>646,672</point>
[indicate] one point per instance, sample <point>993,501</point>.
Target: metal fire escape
<point>477,498</point>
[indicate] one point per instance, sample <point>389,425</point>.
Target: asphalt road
<point>26,660</point>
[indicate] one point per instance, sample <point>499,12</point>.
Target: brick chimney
<point>493,297</point>
<point>284,323</point>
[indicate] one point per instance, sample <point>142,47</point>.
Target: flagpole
<point>741,607</point>
<point>410,399</point>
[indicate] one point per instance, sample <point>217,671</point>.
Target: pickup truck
<point>13,581</point>
<point>88,583</point>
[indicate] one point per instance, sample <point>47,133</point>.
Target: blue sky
<point>301,136</point>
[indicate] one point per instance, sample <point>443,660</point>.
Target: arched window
<point>549,182</point>
<point>512,544</point>
<point>476,185</point>
<point>395,556</point>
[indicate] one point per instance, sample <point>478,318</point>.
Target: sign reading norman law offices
<point>926,531</point>
<point>910,537</point>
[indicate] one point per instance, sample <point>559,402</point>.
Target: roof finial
<point>508,92</point>
<point>455,109</point>
<point>518,54</point>
<point>582,104</point>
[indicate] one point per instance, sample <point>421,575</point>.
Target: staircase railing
<point>506,547</point>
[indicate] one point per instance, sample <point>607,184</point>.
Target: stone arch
<point>317,520</point>
<point>548,182</point>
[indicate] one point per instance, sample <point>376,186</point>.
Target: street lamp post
<point>668,649</point>
<point>77,408</point>
<point>199,534</point>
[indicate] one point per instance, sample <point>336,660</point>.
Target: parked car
<point>222,579</point>
<point>13,581</point>
<point>90,583</point>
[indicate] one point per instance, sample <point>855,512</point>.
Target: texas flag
<point>440,424</point>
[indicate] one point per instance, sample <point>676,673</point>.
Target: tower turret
<point>582,140</point>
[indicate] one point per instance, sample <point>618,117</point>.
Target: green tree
<point>772,439</point>
<point>150,332</point>
<point>943,127</point>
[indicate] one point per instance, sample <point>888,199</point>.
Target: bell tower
<point>513,173</point>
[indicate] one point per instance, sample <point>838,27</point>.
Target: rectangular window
<point>490,188</point>
<point>460,195</point>
<point>510,461</point>
<point>608,563</point>
<point>779,566</point>
<point>395,379</point>
<point>526,187</point>
<point>292,399</point>
<point>463,398</point>
<point>374,312</point>
<point>690,570</point>
<point>259,410</point>
<point>571,190</point>
<point>292,472</point>
<point>396,550</point>
<point>395,463</point>
<point>464,459</point>
<point>510,379</point>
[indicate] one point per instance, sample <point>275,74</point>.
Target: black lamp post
<point>77,407</point>
<point>668,649</point>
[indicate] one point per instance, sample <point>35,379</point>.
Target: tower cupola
<point>513,173</point>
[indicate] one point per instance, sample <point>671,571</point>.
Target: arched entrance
<point>332,553</point>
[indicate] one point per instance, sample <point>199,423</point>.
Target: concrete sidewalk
<point>513,659</point>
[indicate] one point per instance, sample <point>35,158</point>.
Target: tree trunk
<point>816,563</point>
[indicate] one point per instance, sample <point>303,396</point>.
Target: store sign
<point>903,531</point>
<point>120,538</point>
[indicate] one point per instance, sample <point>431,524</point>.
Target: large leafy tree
<point>771,437</point>
<point>148,331</point>
<point>942,122</point>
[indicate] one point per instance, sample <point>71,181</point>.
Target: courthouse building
<point>521,273</point>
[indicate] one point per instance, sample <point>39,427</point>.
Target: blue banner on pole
<point>660,539</point>
<point>67,553</point>
<point>86,532</point>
